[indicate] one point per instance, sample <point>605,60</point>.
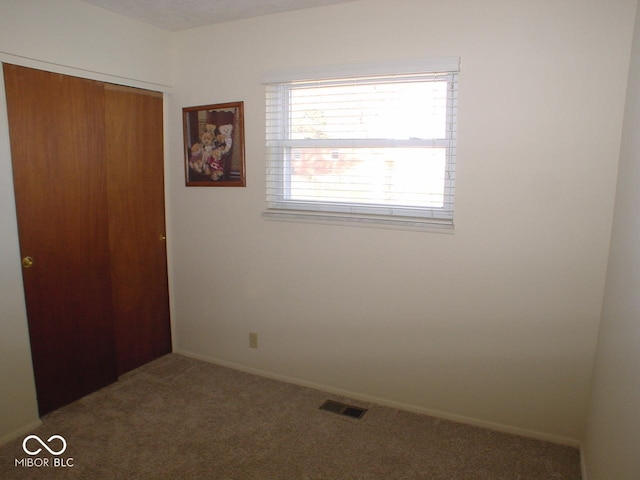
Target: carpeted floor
<point>181,419</point>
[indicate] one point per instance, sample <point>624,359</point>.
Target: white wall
<point>18,408</point>
<point>75,38</point>
<point>613,434</point>
<point>497,323</point>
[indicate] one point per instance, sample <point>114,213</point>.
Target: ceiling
<point>174,15</point>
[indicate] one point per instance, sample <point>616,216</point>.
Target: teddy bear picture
<point>195,160</point>
<point>214,145</point>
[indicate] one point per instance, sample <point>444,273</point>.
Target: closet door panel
<point>135,159</point>
<point>60,178</point>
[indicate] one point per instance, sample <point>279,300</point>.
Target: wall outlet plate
<point>253,340</point>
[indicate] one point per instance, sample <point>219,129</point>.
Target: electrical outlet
<point>253,340</point>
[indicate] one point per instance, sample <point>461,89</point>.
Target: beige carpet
<point>179,419</point>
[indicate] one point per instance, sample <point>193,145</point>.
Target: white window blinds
<point>375,148</point>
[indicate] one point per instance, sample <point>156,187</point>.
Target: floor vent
<point>343,409</point>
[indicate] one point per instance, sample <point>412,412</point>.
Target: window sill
<point>370,221</point>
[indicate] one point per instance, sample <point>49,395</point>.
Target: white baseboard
<point>18,433</point>
<point>388,403</point>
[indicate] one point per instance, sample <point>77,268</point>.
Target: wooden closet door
<point>60,178</point>
<point>135,165</point>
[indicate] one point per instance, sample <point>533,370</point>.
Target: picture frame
<point>214,145</point>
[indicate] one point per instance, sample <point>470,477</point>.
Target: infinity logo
<point>36,438</point>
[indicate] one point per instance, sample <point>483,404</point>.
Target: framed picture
<point>214,145</point>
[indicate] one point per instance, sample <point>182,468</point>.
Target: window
<point>369,148</point>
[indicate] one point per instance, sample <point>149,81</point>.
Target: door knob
<point>163,237</point>
<point>27,262</point>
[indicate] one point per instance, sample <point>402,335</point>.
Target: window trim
<point>361,214</point>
